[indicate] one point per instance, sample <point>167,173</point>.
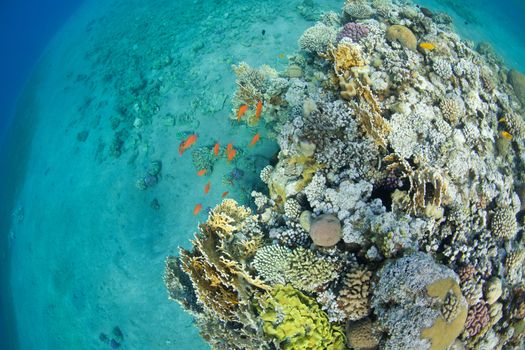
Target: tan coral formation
<point>354,296</point>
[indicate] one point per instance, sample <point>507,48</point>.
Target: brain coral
<point>413,299</point>
<point>297,322</point>
<point>402,35</point>
<point>325,230</point>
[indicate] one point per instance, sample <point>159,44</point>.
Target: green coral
<point>297,322</point>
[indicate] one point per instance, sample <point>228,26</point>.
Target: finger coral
<point>354,296</point>
<point>308,272</point>
<point>271,262</point>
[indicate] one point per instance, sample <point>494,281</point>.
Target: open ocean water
<point>95,102</point>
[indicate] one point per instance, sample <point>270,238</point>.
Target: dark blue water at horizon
<point>26,27</point>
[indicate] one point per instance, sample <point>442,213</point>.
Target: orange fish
<point>216,149</point>
<point>258,110</point>
<point>184,145</point>
<point>229,148</point>
<point>207,187</point>
<point>231,154</point>
<point>242,110</point>
<point>255,138</point>
<point>224,194</point>
<point>197,209</point>
<point>190,141</point>
<point>201,172</point>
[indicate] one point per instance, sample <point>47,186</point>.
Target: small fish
<point>427,46</point>
<point>184,145</point>
<point>229,148</point>
<point>502,120</point>
<point>224,194</point>
<point>201,172</point>
<point>255,138</point>
<point>197,209</point>
<point>258,110</point>
<point>216,149</point>
<point>190,141</point>
<point>506,135</point>
<point>207,187</point>
<point>242,110</point>
<point>231,154</point>
<point>281,55</point>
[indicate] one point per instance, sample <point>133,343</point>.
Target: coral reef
<point>393,208</point>
<point>402,35</point>
<point>361,335</point>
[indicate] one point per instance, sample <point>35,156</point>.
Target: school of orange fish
<point>230,150</point>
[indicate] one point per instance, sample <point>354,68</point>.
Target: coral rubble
<point>394,208</point>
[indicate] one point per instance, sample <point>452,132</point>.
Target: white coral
<point>316,39</point>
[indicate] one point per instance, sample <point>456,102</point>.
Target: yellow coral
<point>297,322</point>
<point>443,333</point>
<point>221,284</point>
<point>344,56</point>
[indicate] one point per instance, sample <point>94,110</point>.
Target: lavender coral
<point>352,31</point>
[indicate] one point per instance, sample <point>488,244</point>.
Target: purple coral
<point>478,317</point>
<point>353,31</point>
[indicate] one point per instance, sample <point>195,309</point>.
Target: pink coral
<point>477,319</point>
<point>353,31</point>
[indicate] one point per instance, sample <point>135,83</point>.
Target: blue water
<point>81,248</point>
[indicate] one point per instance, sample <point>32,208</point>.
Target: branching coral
<point>309,272</point>
<point>271,262</point>
<point>354,297</point>
<point>503,223</point>
<point>220,283</point>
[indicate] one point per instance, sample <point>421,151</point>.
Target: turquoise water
<point>119,86</point>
